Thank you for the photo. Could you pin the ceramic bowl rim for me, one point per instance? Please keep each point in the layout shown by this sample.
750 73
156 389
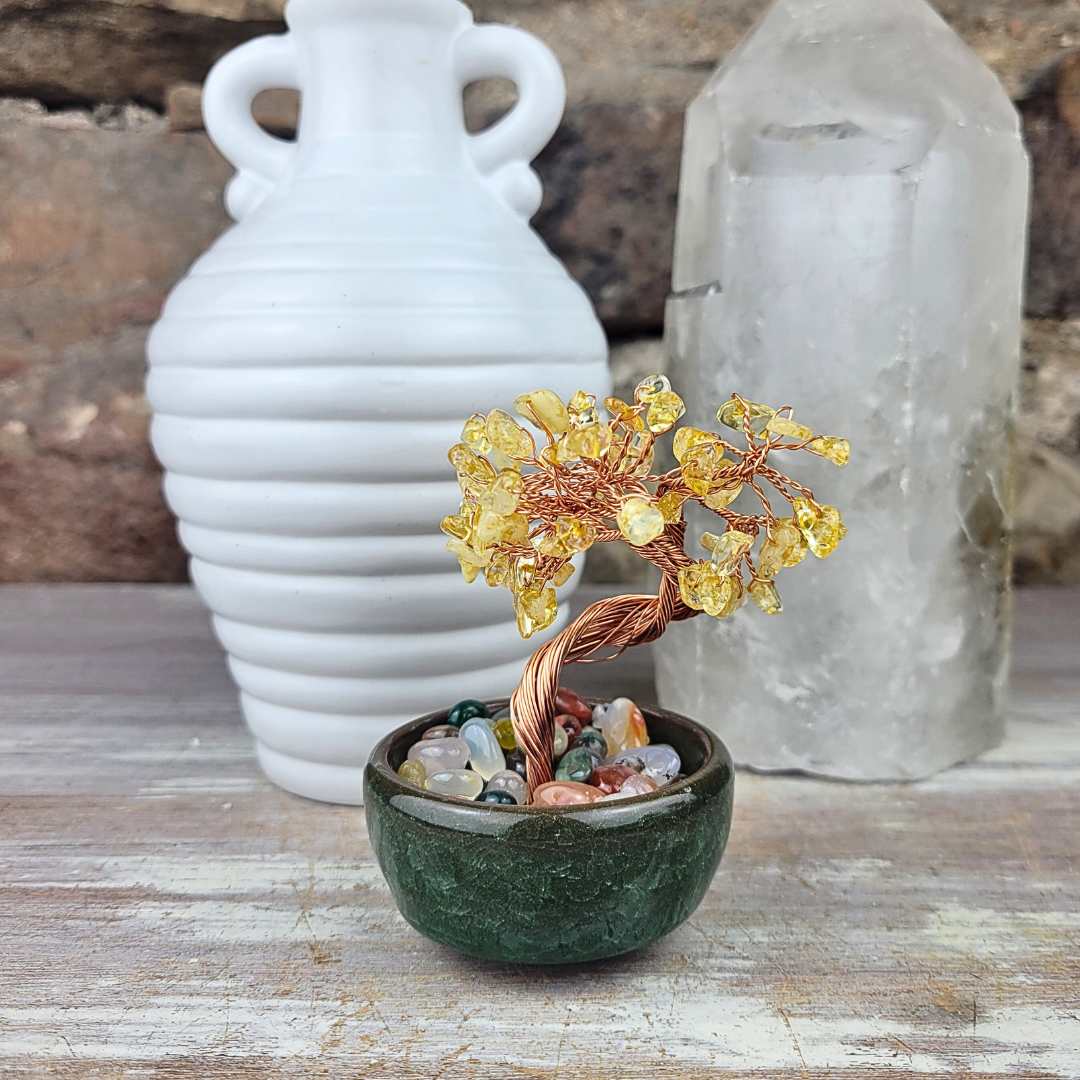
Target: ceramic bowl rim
717 756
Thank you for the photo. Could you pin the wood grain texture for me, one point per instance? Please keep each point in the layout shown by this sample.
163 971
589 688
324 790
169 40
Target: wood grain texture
165 912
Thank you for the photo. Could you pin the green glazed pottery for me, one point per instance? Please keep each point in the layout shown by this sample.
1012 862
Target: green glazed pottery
554 885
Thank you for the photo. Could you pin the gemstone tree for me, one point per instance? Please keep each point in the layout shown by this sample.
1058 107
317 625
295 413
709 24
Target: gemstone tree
527 511
851 233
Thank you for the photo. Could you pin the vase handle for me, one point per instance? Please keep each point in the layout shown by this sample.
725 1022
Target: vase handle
502 153
261 159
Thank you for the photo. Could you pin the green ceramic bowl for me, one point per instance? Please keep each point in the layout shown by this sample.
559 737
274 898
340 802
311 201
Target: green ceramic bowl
556 885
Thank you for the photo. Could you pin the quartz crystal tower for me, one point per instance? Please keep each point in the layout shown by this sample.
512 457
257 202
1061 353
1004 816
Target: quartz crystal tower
851 237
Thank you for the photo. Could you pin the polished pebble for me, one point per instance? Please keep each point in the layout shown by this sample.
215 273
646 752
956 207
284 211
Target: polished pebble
590 737
515 761
499 798
500 714
566 701
413 771
564 793
576 765
658 761
466 710
438 755
512 783
464 783
623 726
487 755
504 732
634 785
560 741
609 778
571 724
440 731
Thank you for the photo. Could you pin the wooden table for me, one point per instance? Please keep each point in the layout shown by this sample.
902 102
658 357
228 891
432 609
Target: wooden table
164 911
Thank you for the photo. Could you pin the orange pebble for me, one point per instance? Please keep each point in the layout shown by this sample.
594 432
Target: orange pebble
565 793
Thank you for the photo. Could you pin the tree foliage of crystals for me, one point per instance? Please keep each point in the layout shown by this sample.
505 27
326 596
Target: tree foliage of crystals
526 512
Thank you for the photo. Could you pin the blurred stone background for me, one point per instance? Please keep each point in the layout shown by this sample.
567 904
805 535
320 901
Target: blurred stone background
111 189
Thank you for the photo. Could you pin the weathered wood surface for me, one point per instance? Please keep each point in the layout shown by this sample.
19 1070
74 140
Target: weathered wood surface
166 912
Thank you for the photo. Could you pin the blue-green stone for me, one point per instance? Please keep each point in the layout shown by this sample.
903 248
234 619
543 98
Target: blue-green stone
466 710
592 737
503 798
576 765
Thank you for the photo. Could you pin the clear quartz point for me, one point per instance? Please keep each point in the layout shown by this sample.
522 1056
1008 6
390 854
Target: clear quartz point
850 240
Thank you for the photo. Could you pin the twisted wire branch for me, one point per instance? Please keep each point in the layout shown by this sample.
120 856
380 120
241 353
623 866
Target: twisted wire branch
617 622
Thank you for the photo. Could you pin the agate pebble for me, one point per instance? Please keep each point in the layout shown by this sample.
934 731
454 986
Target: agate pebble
438 755
463 783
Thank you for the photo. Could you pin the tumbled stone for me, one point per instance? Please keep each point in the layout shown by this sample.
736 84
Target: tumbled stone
463 783
560 741
512 783
609 778
498 798
487 756
440 731
591 739
438 755
515 762
634 785
660 762
571 724
565 793
623 726
504 733
567 702
576 765
413 771
466 710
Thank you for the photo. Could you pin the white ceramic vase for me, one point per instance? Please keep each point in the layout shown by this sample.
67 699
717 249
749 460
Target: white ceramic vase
311 371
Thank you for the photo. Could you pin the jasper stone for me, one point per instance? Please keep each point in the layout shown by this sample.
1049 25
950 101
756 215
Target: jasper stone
466 710
525 884
609 778
566 701
570 724
564 793
576 765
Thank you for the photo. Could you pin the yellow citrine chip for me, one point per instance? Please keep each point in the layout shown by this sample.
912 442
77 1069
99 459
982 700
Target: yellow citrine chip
470 465
783 425
455 525
715 590
639 521
618 408
507 435
544 409
536 609
687 437
563 574
591 441
727 548
503 494
764 594
671 506
467 554
494 528
498 569
721 497
731 414
689 586
664 410
474 434
575 534
821 525
838 451
650 388
551 546
791 542
469 571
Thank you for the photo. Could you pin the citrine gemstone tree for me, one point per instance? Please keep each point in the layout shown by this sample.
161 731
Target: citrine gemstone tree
531 503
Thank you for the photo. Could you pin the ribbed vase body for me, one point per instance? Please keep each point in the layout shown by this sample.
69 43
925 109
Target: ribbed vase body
313 368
